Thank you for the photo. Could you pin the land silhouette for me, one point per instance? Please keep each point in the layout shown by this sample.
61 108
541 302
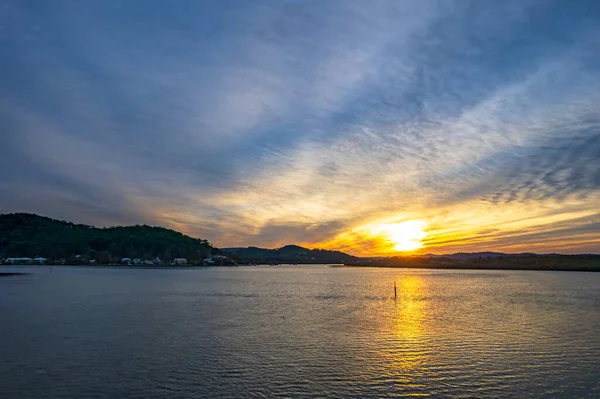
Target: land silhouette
35 238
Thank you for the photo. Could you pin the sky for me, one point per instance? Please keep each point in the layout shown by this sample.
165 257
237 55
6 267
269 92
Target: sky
467 125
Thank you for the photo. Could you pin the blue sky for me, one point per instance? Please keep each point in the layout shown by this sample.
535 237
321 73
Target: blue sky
273 122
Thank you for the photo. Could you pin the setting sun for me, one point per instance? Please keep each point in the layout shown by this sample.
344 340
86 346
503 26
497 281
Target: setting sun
406 236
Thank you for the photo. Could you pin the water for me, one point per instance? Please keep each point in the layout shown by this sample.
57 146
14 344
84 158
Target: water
298 332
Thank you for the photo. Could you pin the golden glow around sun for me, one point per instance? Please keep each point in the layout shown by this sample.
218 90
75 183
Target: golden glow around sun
406 236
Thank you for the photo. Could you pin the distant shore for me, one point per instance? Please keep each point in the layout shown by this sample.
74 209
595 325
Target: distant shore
472 267
140 267
565 263
104 266
571 265
10 274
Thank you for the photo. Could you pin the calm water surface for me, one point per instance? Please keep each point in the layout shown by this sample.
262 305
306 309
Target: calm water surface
298 332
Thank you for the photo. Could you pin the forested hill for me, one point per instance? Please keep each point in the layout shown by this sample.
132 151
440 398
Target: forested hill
290 254
29 235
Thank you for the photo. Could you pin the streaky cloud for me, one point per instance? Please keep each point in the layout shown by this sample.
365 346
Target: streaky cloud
266 123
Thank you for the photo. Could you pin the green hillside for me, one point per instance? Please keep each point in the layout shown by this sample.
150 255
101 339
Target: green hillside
29 235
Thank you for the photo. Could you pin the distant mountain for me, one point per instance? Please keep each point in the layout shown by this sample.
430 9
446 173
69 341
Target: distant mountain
289 254
490 260
29 235
479 255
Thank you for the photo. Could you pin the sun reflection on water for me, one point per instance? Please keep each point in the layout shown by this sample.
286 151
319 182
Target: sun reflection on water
409 316
409 327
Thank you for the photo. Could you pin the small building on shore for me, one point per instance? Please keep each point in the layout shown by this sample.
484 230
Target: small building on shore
19 261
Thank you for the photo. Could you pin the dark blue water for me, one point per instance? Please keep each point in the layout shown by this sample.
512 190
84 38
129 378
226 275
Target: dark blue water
298 332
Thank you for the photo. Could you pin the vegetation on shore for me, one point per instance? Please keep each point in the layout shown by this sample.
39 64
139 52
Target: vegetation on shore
23 234
290 254
586 262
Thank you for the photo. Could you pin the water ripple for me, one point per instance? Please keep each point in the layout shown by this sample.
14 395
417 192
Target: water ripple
299 332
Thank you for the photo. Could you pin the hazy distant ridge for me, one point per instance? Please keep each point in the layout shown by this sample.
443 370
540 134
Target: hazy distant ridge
485 254
290 254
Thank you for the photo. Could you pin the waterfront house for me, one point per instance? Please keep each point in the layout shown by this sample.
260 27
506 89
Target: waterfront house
21 261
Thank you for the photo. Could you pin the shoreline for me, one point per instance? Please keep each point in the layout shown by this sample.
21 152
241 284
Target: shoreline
477 267
116 266
162 267
195 267
12 274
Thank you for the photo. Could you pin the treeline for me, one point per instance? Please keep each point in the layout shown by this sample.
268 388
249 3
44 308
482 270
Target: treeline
556 262
289 254
23 234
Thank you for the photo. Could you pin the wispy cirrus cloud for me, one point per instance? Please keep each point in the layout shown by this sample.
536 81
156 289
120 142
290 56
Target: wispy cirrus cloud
266 123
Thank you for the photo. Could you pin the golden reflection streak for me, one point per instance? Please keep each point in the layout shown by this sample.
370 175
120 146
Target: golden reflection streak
409 308
409 326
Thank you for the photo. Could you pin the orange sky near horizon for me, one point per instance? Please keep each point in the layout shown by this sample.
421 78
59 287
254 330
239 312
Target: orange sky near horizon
473 226
373 127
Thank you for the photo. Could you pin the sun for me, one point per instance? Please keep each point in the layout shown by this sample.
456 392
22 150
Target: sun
406 236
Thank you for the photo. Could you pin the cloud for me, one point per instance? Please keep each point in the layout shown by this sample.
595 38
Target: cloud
262 122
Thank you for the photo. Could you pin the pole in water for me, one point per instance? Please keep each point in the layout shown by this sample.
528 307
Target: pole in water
395 294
